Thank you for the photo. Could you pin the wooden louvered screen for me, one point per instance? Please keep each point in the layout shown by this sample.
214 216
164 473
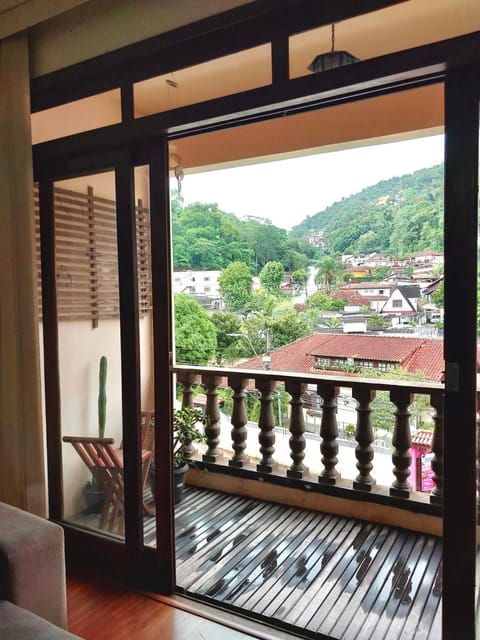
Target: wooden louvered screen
86 255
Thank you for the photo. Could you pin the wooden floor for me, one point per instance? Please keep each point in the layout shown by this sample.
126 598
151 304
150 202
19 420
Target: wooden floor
101 610
323 575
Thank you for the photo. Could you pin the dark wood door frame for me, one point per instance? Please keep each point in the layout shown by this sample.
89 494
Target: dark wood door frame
391 73
462 94
130 560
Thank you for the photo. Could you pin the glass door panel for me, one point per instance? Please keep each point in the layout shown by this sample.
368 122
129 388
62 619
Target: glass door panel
88 314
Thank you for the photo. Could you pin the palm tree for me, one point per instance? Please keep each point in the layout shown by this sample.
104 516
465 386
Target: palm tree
327 274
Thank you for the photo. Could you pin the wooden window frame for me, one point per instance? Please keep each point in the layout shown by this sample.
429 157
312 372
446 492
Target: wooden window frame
455 62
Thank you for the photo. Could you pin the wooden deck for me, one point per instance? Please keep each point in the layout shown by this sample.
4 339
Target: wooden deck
316 574
309 573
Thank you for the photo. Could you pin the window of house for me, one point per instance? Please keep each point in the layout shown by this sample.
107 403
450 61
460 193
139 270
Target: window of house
397 304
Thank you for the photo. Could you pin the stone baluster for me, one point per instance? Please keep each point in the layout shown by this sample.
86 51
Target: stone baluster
187 380
401 441
364 438
329 433
297 429
266 424
212 428
239 420
436 400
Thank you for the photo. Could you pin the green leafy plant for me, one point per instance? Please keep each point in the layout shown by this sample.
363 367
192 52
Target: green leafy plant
185 432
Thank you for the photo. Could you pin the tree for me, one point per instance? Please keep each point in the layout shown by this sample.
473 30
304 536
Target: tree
319 300
225 325
380 272
287 328
438 296
327 274
267 241
300 277
271 276
235 284
195 334
376 320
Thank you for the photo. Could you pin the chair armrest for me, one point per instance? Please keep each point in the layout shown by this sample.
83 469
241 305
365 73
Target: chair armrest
32 564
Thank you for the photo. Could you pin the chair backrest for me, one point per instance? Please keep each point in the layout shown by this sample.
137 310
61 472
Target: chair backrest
102 460
148 431
96 453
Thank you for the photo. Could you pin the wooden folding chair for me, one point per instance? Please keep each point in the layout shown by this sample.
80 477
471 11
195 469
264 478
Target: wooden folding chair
106 465
148 444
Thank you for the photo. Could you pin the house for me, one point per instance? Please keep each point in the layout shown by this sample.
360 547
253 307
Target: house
373 295
354 323
202 285
330 353
427 258
402 303
93 84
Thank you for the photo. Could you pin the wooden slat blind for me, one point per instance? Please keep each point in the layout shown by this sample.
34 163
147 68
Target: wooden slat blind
86 255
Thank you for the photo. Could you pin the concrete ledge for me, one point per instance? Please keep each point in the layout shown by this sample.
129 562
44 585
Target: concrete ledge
363 510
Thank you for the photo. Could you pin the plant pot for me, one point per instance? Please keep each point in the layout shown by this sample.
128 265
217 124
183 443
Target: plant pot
178 481
94 498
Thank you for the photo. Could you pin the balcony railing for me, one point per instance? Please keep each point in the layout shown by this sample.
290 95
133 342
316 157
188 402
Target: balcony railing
329 479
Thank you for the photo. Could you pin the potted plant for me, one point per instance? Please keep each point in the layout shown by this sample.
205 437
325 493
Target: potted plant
185 432
93 490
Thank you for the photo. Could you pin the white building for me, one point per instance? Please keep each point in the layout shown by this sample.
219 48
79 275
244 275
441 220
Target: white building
203 285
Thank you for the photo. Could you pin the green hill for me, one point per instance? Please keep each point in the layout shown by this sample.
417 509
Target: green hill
397 217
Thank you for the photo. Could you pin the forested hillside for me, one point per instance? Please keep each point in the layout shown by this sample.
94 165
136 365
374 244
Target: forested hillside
204 237
397 217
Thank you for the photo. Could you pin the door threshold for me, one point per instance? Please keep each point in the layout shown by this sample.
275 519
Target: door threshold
220 615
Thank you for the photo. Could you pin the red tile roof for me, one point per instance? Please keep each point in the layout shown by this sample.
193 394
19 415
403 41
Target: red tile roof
422 439
379 348
366 285
415 355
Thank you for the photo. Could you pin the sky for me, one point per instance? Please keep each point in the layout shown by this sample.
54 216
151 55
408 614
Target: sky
287 191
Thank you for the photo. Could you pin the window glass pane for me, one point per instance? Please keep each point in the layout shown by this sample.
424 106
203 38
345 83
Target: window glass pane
224 76
75 117
89 352
386 31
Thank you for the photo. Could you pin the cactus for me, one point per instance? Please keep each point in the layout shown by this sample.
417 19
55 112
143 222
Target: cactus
102 397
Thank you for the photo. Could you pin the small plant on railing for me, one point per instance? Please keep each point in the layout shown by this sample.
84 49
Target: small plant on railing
349 430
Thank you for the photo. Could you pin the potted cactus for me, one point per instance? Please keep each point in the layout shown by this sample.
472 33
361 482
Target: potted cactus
93 490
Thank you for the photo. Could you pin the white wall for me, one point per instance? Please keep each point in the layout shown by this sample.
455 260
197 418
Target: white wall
80 349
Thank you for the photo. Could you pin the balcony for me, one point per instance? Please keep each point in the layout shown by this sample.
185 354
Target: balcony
320 550
334 542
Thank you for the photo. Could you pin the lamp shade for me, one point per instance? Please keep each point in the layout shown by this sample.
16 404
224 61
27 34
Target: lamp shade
331 60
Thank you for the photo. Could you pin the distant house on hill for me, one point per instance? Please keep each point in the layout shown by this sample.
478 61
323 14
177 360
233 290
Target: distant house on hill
328 353
427 257
402 302
370 294
202 285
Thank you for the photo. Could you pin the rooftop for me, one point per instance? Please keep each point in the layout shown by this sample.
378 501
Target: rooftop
415 355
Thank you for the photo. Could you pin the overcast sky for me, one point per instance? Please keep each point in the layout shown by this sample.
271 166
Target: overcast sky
286 191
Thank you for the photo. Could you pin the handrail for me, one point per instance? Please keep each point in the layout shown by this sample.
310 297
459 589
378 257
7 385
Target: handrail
363 391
